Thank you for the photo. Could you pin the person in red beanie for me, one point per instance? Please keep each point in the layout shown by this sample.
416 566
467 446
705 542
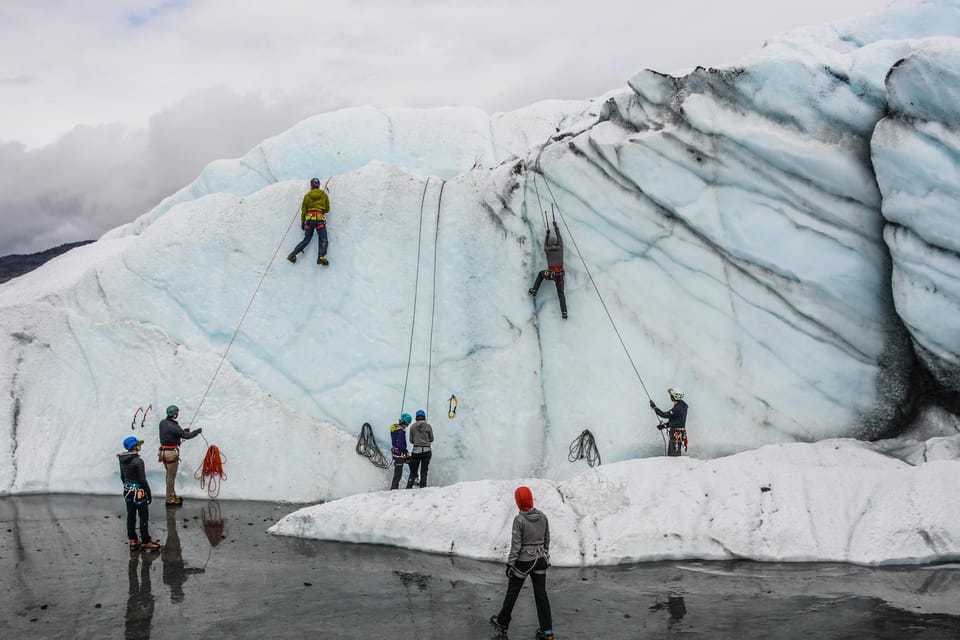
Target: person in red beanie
529 556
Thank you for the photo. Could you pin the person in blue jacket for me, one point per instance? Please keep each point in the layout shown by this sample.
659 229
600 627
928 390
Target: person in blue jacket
398 448
136 494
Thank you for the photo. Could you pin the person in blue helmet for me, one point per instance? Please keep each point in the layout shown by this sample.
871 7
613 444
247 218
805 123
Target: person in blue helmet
313 217
136 494
421 439
398 448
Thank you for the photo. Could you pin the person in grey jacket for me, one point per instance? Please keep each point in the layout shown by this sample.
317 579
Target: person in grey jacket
529 555
553 247
421 439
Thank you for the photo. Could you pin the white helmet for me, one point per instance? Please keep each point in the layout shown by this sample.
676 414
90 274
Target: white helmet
675 393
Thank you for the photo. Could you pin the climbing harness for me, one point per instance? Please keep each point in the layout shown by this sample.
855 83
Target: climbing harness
133 423
452 407
367 447
133 493
210 472
584 447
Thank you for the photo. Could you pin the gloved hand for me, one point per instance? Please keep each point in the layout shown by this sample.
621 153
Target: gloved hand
653 405
200 430
661 426
509 571
149 499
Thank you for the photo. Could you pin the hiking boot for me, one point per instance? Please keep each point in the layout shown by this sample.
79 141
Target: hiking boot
175 502
323 260
134 545
532 292
150 545
292 257
495 623
544 634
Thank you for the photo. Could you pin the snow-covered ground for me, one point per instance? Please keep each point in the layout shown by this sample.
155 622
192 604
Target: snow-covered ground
836 500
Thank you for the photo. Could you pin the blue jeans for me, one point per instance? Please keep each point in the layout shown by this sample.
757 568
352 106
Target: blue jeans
308 230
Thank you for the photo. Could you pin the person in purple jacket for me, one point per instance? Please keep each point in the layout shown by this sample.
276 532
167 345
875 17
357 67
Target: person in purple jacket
398 448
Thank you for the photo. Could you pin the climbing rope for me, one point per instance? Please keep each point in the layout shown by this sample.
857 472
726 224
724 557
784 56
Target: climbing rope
433 307
210 472
416 287
584 447
367 447
214 526
587 270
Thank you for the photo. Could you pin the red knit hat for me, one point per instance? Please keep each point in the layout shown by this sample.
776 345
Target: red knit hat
524 498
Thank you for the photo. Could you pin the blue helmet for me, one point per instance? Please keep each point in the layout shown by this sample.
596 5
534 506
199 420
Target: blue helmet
130 442
172 410
421 414
406 419
314 183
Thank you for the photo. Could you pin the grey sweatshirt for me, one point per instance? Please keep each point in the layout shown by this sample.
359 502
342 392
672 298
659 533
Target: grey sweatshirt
421 434
531 530
553 247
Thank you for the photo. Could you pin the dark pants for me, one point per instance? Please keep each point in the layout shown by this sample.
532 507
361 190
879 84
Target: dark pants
557 277
675 442
539 579
420 462
398 463
133 510
321 230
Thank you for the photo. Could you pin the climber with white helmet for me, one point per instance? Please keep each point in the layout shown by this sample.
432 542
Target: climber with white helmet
676 421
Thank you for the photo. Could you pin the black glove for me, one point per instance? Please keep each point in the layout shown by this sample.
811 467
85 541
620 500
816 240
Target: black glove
653 405
661 426
509 571
200 430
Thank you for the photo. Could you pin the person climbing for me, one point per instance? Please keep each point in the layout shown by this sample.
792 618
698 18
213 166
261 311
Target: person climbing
313 217
170 437
529 555
398 448
676 421
136 494
553 247
421 438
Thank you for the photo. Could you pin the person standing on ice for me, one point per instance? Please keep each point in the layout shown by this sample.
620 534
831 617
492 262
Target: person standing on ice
421 438
676 421
553 247
136 494
170 437
398 449
529 556
313 217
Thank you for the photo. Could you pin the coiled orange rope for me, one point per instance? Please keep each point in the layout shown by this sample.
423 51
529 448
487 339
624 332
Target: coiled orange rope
211 471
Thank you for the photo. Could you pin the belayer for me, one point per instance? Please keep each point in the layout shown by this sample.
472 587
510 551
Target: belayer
136 494
398 449
529 556
553 247
421 439
313 217
676 421
171 434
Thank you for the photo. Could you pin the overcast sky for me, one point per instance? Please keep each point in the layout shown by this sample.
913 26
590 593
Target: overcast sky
107 106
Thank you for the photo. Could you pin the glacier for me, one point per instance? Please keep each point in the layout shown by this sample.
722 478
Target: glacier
775 237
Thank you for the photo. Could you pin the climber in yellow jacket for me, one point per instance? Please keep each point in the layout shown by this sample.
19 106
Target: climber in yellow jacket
313 217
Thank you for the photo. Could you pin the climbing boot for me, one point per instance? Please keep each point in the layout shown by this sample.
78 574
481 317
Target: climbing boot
323 260
495 623
544 634
134 545
292 257
150 545
532 292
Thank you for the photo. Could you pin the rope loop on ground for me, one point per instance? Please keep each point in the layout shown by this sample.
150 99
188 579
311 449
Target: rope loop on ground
367 447
584 447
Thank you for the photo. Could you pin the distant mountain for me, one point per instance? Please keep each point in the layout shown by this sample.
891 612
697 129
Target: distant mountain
16 265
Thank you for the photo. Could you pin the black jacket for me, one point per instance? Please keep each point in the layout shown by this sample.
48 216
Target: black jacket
676 417
133 470
171 434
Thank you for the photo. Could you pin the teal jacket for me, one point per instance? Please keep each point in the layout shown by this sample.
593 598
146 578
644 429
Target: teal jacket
315 206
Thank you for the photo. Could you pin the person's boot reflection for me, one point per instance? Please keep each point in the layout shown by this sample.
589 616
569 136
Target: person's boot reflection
175 571
677 608
139 615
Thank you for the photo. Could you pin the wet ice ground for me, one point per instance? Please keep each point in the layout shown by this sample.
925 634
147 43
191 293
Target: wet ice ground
65 572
